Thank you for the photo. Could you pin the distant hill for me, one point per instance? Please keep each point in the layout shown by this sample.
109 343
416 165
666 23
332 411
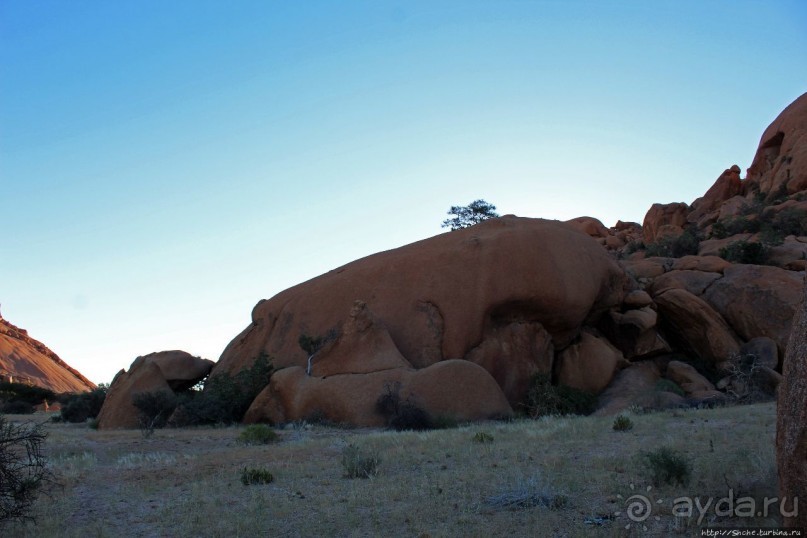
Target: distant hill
26 360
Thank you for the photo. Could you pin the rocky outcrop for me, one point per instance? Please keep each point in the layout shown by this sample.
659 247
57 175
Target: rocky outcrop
162 371
505 294
757 301
727 186
453 389
780 163
664 220
696 326
791 425
589 364
26 360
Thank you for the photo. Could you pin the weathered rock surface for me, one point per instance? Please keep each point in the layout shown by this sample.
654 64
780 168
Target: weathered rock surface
780 163
363 347
118 411
162 371
455 389
791 424
445 296
588 364
636 386
696 326
27 360
695 282
688 378
513 354
757 300
180 369
664 219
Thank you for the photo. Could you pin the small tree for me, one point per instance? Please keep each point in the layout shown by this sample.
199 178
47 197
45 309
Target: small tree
23 468
473 213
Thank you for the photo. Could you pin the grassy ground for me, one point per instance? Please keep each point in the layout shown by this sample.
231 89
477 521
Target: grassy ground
186 482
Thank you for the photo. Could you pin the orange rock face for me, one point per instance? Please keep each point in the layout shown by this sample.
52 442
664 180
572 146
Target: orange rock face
589 364
454 389
780 163
445 296
161 371
664 219
791 425
757 301
696 326
27 360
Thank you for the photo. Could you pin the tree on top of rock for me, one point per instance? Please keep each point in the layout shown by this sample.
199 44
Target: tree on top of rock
473 213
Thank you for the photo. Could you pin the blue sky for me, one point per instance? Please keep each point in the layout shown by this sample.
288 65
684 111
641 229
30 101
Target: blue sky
165 165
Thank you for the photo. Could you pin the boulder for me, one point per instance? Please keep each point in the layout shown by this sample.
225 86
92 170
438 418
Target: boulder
162 371
636 386
757 301
793 249
688 378
764 349
513 354
363 347
709 264
589 226
780 163
453 389
442 297
695 282
712 247
727 186
664 219
118 411
791 422
589 364
647 267
180 369
634 333
693 324
637 299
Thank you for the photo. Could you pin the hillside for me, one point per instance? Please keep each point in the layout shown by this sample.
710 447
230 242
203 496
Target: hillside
26 360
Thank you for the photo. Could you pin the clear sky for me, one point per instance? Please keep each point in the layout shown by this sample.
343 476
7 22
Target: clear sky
165 165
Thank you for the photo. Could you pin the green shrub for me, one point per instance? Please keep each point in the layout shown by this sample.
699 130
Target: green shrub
622 424
81 406
358 464
667 466
250 476
257 434
30 394
400 414
17 407
665 385
745 252
790 221
544 398
483 437
154 409
675 247
224 398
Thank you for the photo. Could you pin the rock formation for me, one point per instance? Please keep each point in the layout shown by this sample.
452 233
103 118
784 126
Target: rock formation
505 294
791 425
26 360
486 308
167 371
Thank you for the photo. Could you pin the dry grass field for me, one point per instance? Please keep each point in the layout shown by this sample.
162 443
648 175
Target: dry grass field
571 475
